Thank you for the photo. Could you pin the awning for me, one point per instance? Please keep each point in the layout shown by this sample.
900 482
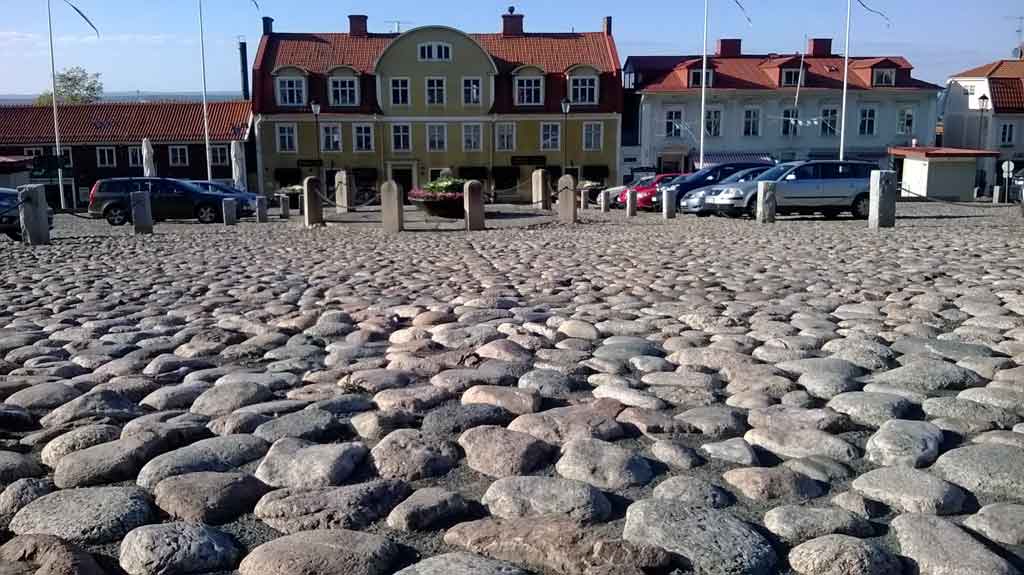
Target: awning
715 158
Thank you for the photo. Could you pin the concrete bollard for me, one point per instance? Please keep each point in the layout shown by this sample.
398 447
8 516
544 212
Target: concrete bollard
584 199
567 199
391 209
473 202
541 197
668 204
979 192
998 197
312 202
767 203
630 203
604 200
261 210
344 192
34 215
229 210
286 206
142 213
882 205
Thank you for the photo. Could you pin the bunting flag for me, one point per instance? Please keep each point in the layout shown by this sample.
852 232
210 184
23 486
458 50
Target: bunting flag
888 22
744 10
84 17
257 5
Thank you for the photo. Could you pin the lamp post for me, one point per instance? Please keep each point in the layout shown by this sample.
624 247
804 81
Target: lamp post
315 107
566 108
982 106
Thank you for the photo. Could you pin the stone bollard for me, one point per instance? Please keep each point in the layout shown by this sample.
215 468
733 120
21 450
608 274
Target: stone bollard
604 200
261 210
668 204
473 202
979 192
344 192
630 203
312 202
229 209
286 206
34 215
766 203
391 209
997 195
882 204
541 197
584 199
142 213
567 199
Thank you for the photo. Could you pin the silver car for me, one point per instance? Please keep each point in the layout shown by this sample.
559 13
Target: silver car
818 186
695 201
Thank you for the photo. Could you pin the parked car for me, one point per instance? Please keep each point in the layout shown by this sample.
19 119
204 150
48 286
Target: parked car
818 186
170 200
701 178
695 201
646 189
246 200
10 216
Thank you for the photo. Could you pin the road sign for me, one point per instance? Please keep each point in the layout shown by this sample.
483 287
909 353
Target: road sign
1008 167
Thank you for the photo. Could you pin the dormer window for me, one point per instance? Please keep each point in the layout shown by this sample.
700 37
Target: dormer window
344 91
792 77
435 52
529 91
291 91
695 78
884 77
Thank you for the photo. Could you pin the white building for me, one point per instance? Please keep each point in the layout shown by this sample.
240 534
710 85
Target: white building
985 110
778 106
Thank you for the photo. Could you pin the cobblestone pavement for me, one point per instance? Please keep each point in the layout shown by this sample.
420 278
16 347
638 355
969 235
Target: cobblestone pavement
612 398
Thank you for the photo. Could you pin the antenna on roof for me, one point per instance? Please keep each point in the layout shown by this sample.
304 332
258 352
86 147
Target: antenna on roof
800 80
398 24
1018 52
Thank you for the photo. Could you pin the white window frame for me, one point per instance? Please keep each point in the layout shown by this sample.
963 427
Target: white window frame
756 132
479 94
300 85
520 79
885 77
437 52
558 128
214 160
295 138
103 150
587 145
408 127
427 89
901 121
430 138
873 121
793 127
673 131
323 137
479 140
135 157
336 102
497 136
408 92
35 152
596 89
355 138
1008 134
721 121
833 128
170 156
695 75
786 82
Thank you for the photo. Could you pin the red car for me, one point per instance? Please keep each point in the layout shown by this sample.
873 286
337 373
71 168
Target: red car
646 188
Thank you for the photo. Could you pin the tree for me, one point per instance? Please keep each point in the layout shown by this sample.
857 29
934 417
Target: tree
74 86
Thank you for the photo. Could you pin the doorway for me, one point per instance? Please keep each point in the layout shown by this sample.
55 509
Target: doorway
405 176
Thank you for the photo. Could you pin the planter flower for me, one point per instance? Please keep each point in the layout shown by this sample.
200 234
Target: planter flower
441 198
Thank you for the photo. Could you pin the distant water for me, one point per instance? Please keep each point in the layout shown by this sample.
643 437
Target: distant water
137 97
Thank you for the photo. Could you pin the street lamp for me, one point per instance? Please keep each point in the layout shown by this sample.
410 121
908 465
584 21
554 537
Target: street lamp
982 106
566 108
315 107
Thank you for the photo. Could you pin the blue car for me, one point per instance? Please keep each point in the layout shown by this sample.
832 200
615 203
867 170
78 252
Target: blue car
703 178
10 216
246 200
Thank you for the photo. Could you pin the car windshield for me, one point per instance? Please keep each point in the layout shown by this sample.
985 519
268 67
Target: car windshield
775 173
644 182
742 176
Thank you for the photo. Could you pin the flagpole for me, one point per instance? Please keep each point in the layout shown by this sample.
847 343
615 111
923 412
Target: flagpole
846 82
206 112
56 122
702 122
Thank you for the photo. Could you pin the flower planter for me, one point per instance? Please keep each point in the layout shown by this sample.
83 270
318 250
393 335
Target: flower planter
447 208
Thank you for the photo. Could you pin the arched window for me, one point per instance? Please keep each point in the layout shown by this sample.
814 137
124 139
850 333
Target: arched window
584 86
290 87
529 87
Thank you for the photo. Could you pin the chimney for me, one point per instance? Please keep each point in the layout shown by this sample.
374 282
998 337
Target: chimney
607 25
730 47
268 25
511 23
357 25
819 47
243 57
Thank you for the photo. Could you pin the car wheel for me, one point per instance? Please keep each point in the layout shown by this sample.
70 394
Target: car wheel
751 210
116 215
15 236
860 207
206 214
703 214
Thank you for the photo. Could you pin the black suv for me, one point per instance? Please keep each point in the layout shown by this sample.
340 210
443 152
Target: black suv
170 200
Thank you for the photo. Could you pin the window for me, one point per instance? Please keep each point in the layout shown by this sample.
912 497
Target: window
713 123
529 91
867 121
505 137
65 152
34 152
330 137
437 137
472 92
179 155
593 136
399 91
583 90
106 158
884 77
362 137
674 124
829 122
806 172
435 52
220 156
135 157
695 78
1006 135
752 122
905 124
792 77
286 138
550 136
291 91
970 89
401 137
344 92
472 136
435 92
790 122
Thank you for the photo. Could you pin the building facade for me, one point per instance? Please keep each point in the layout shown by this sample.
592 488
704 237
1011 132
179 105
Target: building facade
775 106
407 106
985 110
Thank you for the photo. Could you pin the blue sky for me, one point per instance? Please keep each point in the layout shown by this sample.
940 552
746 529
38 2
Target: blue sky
153 45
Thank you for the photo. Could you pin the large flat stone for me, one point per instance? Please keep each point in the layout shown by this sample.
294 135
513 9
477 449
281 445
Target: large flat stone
321 552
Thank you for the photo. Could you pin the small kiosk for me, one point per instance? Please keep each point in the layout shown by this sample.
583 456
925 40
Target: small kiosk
939 173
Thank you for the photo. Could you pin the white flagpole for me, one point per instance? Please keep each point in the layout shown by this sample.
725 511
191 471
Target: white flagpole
846 81
206 112
56 123
702 122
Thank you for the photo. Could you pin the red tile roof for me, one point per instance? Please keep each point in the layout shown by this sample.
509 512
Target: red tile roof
122 123
1007 95
997 69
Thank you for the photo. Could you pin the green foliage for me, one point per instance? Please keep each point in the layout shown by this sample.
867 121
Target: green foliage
74 86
